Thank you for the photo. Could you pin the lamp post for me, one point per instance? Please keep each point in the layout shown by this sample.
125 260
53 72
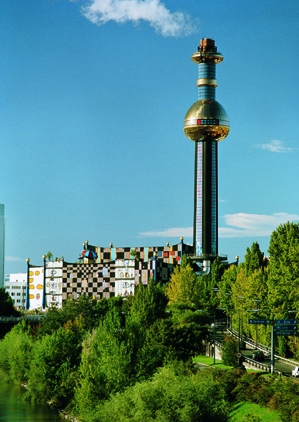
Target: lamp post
27 285
44 284
227 309
214 335
182 246
155 269
229 294
240 334
258 301
272 344
254 310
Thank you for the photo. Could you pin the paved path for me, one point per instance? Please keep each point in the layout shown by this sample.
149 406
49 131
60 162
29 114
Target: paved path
279 364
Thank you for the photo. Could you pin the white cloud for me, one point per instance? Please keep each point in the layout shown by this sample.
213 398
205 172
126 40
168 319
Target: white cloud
275 146
253 225
241 225
172 232
152 11
14 259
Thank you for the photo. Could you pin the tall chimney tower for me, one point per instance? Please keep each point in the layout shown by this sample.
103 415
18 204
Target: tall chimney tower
206 123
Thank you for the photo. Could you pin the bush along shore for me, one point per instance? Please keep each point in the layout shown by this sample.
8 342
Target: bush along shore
130 359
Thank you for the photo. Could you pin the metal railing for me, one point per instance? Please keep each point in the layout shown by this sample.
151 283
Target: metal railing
260 346
12 319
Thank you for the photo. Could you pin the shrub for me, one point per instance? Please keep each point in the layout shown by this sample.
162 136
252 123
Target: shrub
229 349
169 397
16 353
112 360
55 359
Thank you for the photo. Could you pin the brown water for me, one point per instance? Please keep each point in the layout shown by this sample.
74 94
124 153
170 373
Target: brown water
13 408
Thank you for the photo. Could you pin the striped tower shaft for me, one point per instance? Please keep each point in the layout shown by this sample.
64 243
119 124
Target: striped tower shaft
205 228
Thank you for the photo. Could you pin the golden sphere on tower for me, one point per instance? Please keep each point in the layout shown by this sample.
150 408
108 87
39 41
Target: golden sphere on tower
206 119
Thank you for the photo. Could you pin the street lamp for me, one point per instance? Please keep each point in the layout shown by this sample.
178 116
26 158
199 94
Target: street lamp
271 322
257 310
227 309
240 335
231 310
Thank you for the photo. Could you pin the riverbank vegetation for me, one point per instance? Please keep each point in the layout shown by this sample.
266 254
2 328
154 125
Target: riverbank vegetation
130 359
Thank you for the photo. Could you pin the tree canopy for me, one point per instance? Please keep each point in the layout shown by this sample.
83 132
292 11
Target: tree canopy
6 304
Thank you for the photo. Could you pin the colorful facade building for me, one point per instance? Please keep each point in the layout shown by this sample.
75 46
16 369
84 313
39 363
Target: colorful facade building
101 273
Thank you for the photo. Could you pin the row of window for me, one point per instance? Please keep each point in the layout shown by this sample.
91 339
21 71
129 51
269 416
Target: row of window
207 121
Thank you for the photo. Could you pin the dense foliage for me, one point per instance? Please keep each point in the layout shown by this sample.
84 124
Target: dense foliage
174 394
81 355
6 304
130 359
267 286
229 349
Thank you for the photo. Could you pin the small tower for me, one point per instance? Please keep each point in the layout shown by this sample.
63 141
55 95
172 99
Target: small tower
206 123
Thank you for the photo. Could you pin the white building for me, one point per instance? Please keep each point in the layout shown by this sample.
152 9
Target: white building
54 283
2 244
45 290
15 285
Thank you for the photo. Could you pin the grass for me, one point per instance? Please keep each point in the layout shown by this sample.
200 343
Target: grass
240 410
207 360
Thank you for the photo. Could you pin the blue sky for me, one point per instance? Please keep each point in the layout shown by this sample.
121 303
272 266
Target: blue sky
93 98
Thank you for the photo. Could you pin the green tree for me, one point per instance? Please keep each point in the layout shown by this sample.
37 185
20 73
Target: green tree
89 311
6 304
206 297
182 287
226 283
53 374
15 352
173 395
283 292
229 349
177 338
284 269
217 271
148 304
254 258
112 360
50 256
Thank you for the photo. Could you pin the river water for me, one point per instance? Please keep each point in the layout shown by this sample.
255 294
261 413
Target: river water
13 408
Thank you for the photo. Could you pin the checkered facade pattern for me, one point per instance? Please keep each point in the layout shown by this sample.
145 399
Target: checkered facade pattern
116 271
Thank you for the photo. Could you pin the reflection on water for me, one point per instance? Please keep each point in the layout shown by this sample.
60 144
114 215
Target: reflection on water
14 409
